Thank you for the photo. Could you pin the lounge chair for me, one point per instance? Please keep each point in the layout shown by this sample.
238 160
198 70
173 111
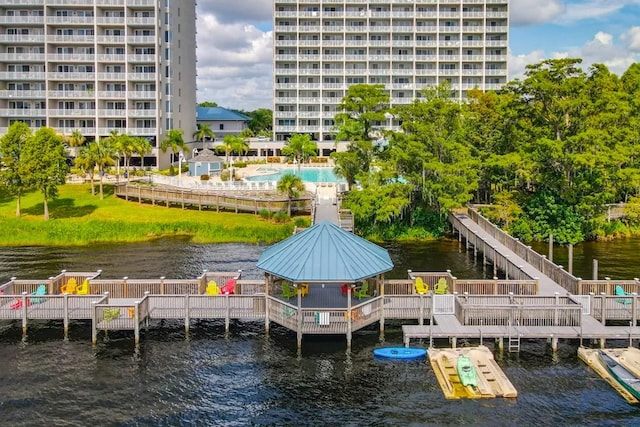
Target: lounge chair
362 291
83 289
421 287
212 288
288 291
441 287
40 290
69 287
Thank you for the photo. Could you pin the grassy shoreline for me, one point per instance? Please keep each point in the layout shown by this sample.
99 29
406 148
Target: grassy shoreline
78 219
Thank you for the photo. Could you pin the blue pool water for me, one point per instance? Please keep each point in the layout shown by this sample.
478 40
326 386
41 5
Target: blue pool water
307 174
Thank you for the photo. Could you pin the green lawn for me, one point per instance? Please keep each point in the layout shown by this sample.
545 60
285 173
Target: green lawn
78 218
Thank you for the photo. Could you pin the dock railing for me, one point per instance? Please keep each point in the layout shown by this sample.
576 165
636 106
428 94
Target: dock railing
501 310
539 262
615 308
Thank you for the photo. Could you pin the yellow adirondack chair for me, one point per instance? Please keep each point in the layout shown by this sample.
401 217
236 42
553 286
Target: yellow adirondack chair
83 289
69 287
421 287
212 288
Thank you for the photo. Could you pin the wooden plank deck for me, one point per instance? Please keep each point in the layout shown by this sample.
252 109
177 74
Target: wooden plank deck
546 285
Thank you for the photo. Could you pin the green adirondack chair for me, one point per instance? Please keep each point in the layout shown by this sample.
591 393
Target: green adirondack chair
288 291
362 291
441 287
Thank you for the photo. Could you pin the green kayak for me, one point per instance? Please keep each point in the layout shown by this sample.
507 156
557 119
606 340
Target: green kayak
467 371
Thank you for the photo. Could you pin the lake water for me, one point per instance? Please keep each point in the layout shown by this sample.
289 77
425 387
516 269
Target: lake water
308 174
246 378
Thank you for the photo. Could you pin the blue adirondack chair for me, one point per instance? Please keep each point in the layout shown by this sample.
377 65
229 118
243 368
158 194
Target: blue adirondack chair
40 290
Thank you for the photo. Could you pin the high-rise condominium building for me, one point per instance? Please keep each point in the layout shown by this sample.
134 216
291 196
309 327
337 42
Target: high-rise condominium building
98 66
323 47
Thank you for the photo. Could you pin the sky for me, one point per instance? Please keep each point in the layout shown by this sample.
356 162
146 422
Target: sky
235 42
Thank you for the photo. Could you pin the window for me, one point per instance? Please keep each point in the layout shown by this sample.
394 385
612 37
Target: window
221 126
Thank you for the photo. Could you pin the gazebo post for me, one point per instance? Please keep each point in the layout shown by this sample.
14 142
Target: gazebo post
299 317
380 280
267 279
349 317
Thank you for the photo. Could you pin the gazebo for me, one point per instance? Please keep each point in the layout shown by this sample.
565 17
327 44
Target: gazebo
327 264
205 163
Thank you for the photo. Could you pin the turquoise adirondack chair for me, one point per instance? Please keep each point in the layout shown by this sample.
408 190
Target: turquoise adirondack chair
40 290
362 291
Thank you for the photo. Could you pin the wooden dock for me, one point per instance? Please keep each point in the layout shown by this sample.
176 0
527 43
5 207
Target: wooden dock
492 382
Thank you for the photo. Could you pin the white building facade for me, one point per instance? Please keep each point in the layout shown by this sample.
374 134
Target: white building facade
323 47
100 65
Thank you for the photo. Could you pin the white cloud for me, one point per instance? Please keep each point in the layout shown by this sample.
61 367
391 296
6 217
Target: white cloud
602 49
234 57
529 12
632 39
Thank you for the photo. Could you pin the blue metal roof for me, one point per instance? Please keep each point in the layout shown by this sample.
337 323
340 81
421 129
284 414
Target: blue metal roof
219 113
325 253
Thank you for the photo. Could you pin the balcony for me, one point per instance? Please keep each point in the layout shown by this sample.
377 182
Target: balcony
71 57
141 94
22 39
112 76
71 76
112 57
112 94
51 112
20 75
109 2
142 58
143 113
149 21
70 20
22 112
141 40
22 57
110 20
74 38
111 112
142 131
111 39
22 20
147 3
22 94
23 2
142 77
69 3
75 94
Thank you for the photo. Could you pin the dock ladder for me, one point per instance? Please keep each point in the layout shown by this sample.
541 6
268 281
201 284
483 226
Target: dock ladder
514 339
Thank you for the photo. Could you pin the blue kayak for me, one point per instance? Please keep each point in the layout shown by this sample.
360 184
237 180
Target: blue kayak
400 352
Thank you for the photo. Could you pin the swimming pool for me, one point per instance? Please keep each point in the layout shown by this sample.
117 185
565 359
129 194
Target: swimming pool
307 174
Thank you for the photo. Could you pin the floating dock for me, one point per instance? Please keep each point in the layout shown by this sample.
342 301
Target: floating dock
492 382
627 357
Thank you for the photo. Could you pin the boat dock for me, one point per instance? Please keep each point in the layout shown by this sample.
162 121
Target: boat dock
628 357
492 382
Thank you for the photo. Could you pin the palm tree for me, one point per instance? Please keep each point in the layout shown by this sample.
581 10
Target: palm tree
86 161
104 154
75 140
174 141
299 147
292 185
203 132
141 147
233 143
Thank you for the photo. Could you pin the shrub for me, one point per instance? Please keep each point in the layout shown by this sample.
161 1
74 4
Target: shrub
273 159
204 177
172 171
225 175
265 213
240 165
280 217
302 222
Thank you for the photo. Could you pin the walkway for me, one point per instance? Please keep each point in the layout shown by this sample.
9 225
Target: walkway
546 285
326 205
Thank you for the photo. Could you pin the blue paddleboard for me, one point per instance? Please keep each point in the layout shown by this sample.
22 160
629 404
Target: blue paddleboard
400 352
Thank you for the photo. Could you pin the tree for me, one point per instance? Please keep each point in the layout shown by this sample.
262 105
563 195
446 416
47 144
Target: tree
203 132
103 154
231 144
12 173
362 108
291 185
261 121
75 140
173 141
45 161
141 147
86 160
209 104
299 147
